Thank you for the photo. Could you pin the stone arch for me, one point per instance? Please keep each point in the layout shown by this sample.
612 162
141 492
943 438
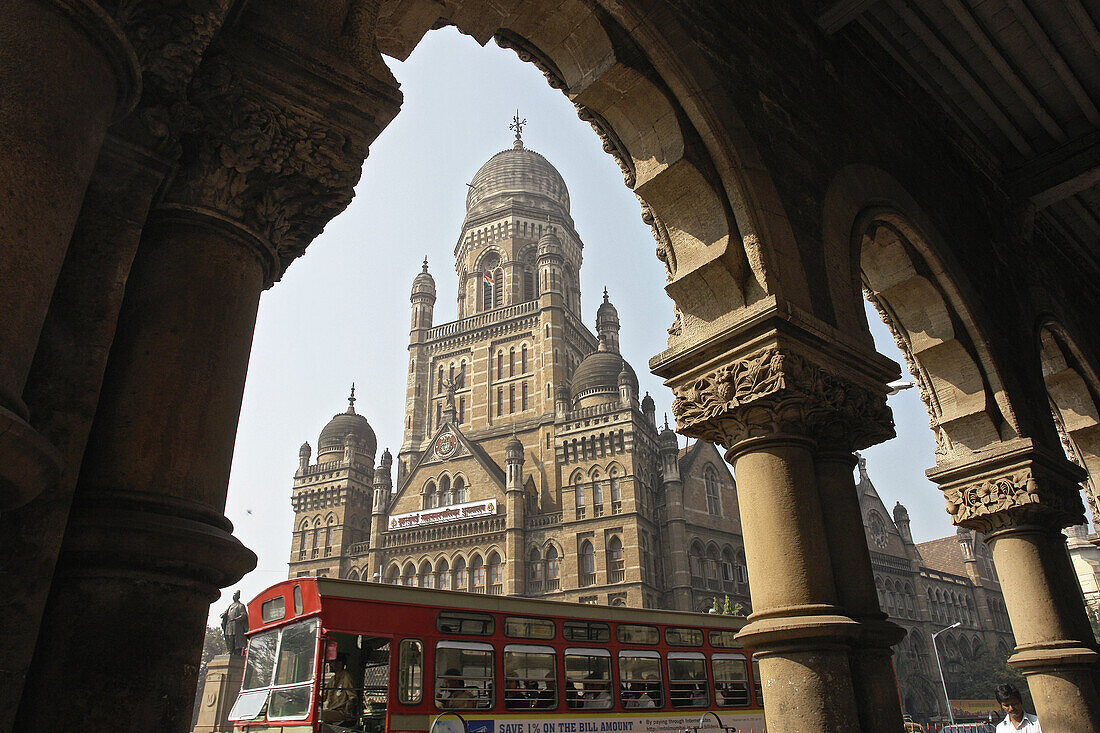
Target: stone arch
353 574
426 575
885 248
393 574
1074 393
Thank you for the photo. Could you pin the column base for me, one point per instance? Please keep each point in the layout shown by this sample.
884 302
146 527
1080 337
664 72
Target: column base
799 627
28 462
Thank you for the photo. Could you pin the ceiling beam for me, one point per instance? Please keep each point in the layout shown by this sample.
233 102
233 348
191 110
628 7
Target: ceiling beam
1063 172
841 13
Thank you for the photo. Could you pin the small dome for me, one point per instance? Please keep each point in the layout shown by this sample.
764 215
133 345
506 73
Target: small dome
344 425
901 514
305 450
624 375
647 404
599 373
667 437
606 313
549 246
513 446
424 283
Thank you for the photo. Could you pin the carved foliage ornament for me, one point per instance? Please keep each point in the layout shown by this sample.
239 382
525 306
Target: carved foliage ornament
1011 500
775 391
276 167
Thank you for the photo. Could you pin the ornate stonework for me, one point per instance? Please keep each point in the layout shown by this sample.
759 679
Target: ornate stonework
1012 499
775 391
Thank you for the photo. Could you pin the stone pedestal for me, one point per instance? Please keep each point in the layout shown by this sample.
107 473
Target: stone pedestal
219 692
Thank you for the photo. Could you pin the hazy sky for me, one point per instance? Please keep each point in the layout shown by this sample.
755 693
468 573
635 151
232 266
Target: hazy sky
341 313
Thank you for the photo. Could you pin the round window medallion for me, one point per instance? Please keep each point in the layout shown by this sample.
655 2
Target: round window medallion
446 446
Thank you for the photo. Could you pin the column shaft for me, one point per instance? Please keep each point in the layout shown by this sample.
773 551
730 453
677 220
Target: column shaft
65 70
1055 647
876 686
795 629
147 546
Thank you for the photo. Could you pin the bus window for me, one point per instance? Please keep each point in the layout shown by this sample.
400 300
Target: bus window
585 631
634 634
587 679
724 639
530 681
521 627
731 679
457 622
463 675
273 610
296 655
261 660
297 600
687 679
679 636
411 672
640 679
757 687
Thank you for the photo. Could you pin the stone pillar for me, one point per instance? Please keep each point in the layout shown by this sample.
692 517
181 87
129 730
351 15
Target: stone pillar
65 73
1019 498
272 159
515 501
223 682
873 674
771 392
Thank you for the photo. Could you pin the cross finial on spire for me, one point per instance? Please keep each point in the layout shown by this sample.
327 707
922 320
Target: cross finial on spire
517 126
351 399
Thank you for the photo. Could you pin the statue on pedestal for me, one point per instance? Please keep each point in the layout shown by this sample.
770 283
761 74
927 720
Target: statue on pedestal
234 626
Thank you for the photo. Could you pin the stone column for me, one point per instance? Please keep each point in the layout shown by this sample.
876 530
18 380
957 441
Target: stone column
768 392
147 546
873 674
63 386
66 72
1020 498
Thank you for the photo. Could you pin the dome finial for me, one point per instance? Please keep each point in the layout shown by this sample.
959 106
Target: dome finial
605 293
425 264
351 400
666 419
517 125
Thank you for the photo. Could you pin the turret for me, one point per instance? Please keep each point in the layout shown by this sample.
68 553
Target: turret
304 454
549 259
513 463
649 410
561 401
423 303
349 448
607 324
514 506
383 484
626 390
669 447
901 520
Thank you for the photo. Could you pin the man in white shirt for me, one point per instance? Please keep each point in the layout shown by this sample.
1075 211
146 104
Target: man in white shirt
1016 720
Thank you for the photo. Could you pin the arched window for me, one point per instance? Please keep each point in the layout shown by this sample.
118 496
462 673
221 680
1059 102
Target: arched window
616 491
439 381
597 495
587 563
712 562
529 284
461 576
500 364
534 570
511 398
330 531
695 563
714 500
393 575
477 574
316 537
461 376
496 575
408 575
498 288
303 539
431 499
451 374
443 575
523 358
512 362
445 490
553 568
459 491
500 401
427 577
740 568
523 403
579 497
616 565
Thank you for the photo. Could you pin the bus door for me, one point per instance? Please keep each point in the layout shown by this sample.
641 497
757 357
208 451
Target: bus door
354 690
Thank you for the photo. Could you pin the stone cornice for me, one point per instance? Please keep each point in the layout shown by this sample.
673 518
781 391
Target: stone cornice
1019 485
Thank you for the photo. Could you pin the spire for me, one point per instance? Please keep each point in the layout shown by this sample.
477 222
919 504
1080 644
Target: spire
666 421
425 268
351 400
517 126
605 293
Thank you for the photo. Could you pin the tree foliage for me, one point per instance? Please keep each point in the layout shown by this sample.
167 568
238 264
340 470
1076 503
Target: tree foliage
976 677
213 644
727 608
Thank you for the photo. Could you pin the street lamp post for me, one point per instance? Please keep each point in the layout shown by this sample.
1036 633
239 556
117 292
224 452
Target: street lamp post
935 649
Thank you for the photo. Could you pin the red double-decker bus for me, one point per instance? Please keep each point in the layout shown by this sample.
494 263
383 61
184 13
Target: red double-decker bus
343 656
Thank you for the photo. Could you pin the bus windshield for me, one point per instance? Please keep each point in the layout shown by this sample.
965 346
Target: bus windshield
278 673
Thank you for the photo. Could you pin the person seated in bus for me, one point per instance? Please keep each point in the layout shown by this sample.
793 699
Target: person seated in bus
641 694
699 697
732 693
596 695
341 694
453 694
516 694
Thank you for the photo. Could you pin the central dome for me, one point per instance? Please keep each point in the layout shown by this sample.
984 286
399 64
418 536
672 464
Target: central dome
598 374
520 175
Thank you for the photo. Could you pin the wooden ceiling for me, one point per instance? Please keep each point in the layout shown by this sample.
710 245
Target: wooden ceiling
1022 77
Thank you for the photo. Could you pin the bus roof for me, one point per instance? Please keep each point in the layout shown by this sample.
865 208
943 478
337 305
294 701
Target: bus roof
382 592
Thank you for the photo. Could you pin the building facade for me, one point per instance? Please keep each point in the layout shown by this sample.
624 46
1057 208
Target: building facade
529 464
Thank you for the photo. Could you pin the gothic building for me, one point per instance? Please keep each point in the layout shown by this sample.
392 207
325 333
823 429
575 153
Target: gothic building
529 465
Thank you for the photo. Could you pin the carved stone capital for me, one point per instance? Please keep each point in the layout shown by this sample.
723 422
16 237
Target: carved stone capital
1022 485
781 380
276 157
